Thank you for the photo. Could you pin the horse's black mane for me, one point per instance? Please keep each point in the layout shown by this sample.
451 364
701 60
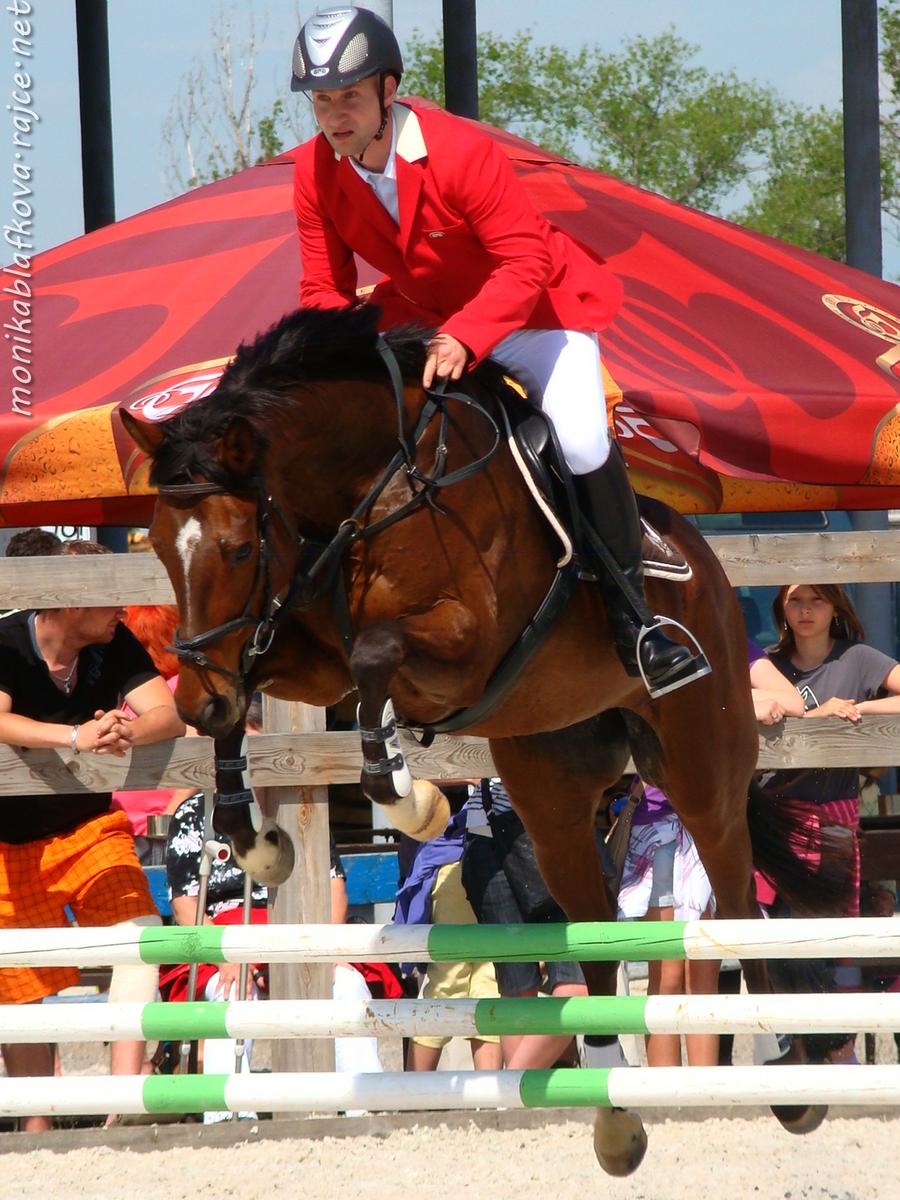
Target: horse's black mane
309 344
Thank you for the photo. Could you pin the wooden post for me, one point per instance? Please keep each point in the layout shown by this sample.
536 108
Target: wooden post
306 896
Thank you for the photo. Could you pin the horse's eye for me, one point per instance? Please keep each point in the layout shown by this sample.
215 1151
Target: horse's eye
242 553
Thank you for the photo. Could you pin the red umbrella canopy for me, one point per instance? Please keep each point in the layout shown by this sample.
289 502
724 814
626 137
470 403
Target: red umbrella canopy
744 373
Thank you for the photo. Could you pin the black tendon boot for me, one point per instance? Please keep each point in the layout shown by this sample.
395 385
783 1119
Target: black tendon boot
609 508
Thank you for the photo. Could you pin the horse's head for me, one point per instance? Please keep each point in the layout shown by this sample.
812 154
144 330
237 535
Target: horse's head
227 547
274 458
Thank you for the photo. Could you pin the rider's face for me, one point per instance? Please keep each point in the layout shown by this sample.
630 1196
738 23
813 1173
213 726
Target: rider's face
350 117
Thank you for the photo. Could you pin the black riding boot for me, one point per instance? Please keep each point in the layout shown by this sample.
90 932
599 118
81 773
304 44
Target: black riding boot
609 507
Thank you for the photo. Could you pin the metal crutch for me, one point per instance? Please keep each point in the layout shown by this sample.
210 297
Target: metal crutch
240 1042
211 851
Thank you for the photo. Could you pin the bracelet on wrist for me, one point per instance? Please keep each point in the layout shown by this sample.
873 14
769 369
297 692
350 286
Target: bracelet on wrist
73 739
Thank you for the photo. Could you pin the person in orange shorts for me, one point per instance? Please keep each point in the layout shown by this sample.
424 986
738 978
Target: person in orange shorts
64 674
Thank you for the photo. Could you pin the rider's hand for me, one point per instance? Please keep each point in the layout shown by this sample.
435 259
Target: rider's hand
445 358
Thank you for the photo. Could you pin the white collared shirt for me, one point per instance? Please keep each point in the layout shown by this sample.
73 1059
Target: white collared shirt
384 183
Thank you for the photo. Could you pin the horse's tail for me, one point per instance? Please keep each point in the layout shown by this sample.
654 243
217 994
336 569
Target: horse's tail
811 867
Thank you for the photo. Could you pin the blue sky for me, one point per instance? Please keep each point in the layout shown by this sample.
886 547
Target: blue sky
793 45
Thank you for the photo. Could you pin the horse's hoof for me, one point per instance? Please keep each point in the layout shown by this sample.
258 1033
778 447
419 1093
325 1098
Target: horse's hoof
800 1118
423 814
620 1140
269 858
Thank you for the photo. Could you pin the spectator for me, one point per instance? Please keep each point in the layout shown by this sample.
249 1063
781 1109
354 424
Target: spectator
821 650
154 627
494 902
431 892
63 675
33 543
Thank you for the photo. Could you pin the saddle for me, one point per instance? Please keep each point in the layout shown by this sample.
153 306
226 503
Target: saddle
535 448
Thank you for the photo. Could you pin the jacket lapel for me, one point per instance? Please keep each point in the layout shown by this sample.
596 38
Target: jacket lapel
411 153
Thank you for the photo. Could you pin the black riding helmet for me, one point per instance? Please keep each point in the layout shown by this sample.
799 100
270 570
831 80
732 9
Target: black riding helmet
339 46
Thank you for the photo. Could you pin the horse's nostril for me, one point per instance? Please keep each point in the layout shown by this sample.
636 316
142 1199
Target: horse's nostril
217 716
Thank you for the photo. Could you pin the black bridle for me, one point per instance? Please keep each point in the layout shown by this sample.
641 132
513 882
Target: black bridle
319 566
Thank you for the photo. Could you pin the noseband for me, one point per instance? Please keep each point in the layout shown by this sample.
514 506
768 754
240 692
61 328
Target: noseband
319 565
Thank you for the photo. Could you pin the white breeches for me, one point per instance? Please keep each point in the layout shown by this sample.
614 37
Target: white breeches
564 368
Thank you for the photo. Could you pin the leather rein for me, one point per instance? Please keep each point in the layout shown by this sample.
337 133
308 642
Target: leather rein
319 568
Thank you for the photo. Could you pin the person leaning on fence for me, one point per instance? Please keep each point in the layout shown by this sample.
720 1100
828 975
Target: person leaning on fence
64 673
822 652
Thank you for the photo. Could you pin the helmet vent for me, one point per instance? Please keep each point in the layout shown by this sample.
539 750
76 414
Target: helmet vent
355 54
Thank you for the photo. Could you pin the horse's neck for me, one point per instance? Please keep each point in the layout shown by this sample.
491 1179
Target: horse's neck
328 461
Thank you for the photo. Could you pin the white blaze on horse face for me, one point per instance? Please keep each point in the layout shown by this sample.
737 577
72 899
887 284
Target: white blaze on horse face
186 543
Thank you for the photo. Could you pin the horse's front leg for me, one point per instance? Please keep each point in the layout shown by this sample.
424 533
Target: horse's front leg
261 847
416 807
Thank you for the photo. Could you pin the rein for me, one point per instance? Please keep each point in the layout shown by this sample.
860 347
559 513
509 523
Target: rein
311 582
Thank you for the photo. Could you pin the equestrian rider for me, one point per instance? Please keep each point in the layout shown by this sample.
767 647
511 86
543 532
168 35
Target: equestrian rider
433 203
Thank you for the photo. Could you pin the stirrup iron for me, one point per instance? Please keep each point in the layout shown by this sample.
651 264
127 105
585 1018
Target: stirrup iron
698 667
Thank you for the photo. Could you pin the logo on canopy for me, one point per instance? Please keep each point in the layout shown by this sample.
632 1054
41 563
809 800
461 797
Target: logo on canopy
877 321
161 398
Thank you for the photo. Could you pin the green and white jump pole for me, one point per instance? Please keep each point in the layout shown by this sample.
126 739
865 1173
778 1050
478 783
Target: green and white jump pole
861 937
605 1015
414 1091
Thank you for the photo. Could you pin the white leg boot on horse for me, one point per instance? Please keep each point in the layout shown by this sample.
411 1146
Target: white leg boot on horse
260 846
415 807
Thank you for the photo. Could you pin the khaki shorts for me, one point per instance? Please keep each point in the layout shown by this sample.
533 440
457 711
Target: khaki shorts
93 869
455 980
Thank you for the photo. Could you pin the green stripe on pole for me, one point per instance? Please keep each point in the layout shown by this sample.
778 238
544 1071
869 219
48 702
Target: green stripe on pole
182 944
565 1088
164 1022
567 1016
185 1093
585 942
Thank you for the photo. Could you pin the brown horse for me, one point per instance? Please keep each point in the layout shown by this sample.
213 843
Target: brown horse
312 552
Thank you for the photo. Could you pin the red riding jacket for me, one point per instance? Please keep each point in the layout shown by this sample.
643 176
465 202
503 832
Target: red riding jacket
471 254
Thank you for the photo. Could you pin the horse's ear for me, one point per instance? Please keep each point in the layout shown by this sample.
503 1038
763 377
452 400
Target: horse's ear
237 449
147 436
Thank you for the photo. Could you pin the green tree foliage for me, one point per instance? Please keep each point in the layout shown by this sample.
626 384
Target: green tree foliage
650 115
644 114
800 196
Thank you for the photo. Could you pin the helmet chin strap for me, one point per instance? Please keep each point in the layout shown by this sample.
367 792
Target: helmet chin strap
384 120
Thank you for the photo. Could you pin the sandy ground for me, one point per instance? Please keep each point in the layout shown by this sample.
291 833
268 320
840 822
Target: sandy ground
500 1156
846 1159
693 1155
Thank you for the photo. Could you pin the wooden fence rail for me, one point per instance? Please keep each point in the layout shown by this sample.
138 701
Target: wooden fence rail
313 759
748 559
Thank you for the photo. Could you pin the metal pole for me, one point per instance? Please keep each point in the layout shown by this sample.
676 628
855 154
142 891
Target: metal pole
862 143
862 190
97 184
460 58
